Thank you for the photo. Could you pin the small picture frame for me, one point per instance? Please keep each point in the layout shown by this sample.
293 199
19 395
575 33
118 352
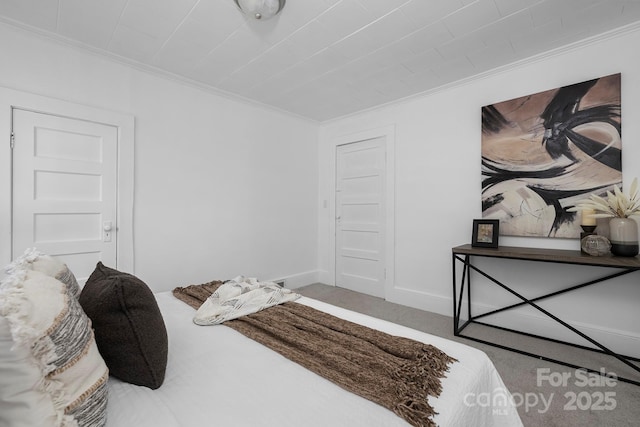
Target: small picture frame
485 233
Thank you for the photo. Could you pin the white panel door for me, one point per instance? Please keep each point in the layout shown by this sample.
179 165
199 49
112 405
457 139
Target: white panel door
65 189
360 221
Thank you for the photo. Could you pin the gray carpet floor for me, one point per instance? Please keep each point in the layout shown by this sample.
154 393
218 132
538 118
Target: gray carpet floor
579 400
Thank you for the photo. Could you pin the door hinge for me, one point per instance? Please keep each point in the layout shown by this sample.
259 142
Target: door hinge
12 142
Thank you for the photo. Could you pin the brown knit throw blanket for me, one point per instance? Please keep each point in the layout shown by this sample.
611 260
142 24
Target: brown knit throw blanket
395 372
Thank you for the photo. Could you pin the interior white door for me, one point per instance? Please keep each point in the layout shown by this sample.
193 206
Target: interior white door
64 189
360 216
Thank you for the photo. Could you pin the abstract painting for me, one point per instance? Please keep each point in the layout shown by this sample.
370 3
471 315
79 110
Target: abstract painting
542 153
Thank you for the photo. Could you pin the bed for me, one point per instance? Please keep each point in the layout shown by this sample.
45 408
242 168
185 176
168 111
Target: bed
242 383
217 376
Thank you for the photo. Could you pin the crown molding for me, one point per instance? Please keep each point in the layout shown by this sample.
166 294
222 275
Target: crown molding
149 69
598 38
82 47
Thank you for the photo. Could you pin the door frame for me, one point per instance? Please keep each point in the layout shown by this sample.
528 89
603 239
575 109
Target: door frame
125 174
388 134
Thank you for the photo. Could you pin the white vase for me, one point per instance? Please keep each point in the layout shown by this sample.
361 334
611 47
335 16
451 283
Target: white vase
623 234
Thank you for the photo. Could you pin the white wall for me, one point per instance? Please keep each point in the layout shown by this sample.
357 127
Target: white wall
222 187
438 183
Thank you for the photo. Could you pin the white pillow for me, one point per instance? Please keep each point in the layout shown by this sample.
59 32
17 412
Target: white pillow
51 373
32 259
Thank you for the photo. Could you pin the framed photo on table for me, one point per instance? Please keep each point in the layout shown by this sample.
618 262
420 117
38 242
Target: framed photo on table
485 233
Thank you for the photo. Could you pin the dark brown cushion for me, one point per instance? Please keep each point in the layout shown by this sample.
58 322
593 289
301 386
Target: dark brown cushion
129 329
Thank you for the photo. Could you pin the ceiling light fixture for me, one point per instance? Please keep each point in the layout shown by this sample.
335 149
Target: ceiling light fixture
260 9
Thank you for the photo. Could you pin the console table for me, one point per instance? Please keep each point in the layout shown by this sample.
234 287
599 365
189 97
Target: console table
464 255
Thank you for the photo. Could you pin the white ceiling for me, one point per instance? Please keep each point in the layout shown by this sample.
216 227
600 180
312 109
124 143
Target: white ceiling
322 59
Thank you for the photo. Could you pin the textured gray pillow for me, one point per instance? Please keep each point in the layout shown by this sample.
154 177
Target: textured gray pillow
129 329
32 259
51 373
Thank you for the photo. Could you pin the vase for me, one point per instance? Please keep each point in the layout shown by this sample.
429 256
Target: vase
623 236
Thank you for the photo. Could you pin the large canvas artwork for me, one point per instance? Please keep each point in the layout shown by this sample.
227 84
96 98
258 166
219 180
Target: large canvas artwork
542 153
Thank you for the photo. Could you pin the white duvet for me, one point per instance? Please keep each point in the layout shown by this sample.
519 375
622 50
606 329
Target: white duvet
216 376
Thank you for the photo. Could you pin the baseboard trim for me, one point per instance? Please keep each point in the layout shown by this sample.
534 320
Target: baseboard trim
618 340
298 280
421 300
325 277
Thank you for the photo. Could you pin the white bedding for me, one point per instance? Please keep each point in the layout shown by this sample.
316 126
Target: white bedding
243 383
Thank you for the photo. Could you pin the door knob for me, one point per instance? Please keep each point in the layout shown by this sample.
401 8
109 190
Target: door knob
107 226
